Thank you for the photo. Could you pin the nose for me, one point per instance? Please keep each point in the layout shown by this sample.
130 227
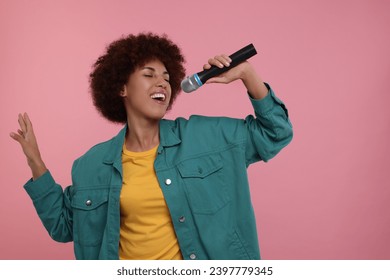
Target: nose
161 82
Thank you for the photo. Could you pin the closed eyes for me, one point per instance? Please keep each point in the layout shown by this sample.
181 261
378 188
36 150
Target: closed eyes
151 76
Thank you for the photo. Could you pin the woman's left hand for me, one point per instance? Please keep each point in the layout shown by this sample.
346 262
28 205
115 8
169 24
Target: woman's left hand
221 61
243 71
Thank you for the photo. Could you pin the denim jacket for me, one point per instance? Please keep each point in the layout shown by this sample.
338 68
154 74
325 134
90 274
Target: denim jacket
201 168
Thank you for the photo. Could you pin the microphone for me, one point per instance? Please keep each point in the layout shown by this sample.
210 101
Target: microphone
198 79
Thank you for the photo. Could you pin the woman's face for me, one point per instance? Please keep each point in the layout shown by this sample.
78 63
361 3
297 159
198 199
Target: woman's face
148 92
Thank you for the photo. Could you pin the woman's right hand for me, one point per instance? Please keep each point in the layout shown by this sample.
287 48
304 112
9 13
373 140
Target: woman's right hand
26 138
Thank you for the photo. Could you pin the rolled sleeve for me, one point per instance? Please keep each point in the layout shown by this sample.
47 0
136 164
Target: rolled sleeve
39 187
270 131
266 104
52 204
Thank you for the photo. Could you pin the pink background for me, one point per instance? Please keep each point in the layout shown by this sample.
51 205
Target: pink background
325 196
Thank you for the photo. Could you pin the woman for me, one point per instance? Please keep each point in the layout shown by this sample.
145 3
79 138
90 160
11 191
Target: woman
160 189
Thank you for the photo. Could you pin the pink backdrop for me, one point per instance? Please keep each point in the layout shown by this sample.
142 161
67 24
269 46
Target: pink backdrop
326 196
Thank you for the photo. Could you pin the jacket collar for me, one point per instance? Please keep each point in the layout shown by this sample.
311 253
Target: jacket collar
115 149
168 138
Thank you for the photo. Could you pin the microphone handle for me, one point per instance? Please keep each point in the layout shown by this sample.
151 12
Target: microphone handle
237 57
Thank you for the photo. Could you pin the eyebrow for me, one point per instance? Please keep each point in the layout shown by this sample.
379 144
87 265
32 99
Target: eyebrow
152 69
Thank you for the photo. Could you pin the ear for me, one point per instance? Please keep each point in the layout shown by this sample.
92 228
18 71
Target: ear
123 92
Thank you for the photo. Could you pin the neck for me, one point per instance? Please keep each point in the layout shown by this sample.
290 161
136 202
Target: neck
142 135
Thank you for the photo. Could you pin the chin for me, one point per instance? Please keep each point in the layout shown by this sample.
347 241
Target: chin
158 116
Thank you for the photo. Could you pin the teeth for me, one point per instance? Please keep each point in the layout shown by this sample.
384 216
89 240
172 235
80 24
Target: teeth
159 96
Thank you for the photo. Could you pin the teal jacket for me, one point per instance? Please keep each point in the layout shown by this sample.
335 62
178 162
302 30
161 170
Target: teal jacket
201 167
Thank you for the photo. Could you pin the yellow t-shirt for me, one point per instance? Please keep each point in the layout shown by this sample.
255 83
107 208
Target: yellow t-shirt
146 230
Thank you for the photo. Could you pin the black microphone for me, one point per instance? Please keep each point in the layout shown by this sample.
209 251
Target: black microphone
198 79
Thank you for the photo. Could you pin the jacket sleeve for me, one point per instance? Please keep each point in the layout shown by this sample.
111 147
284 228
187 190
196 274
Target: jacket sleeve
52 204
269 131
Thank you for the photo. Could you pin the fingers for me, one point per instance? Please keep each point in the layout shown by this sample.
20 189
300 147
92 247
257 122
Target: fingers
22 123
221 79
219 61
20 133
27 122
25 127
206 66
17 137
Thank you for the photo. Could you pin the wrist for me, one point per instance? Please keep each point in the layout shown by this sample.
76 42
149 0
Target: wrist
247 72
37 166
253 83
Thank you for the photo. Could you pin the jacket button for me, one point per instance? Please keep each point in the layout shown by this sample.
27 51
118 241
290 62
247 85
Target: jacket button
168 182
182 219
192 256
88 202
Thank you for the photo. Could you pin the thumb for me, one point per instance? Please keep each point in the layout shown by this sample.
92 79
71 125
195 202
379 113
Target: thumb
219 79
16 137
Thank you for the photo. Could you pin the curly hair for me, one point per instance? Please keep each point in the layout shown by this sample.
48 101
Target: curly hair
112 70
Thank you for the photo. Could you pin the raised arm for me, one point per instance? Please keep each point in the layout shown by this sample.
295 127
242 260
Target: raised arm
270 130
27 140
244 71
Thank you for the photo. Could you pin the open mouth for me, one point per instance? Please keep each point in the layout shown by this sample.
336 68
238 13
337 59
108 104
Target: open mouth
158 96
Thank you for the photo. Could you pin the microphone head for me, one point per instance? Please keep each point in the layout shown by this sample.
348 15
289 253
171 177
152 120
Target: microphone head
189 84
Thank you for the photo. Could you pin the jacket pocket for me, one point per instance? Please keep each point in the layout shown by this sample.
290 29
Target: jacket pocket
204 183
89 216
